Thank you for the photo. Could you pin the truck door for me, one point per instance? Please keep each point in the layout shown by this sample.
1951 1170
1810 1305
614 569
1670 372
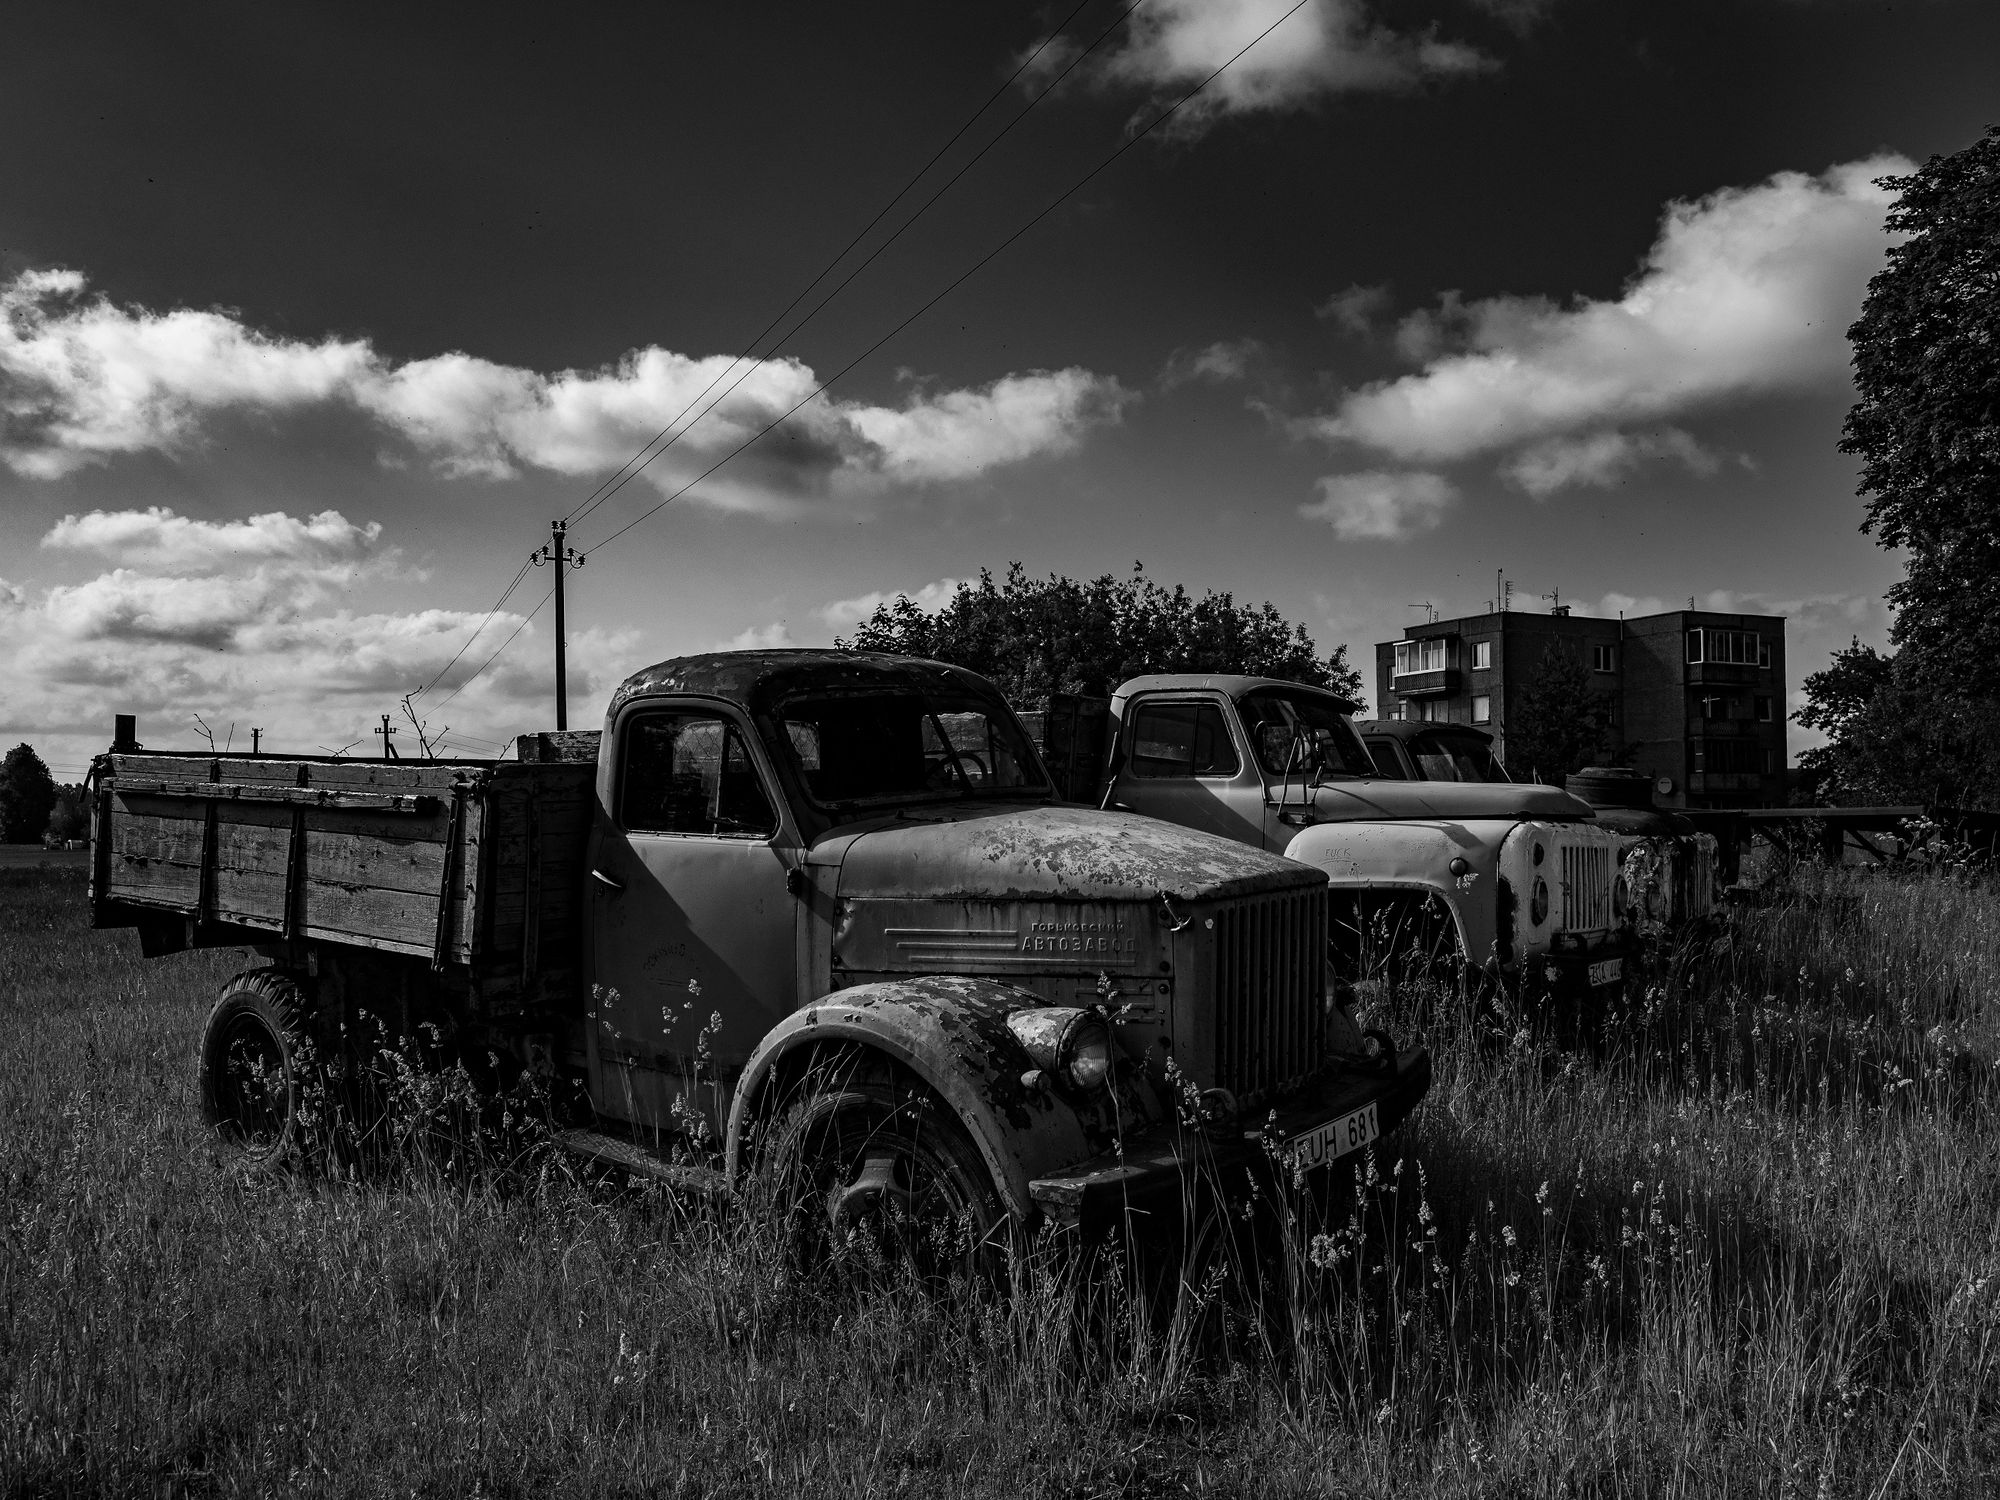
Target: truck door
1182 763
690 916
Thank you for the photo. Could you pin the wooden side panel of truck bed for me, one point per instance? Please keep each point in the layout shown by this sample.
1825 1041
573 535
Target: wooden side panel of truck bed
473 863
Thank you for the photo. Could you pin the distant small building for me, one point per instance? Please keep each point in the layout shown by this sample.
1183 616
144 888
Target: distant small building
1695 699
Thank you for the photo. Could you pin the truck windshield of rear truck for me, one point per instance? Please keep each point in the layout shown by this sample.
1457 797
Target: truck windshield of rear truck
1454 757
859 750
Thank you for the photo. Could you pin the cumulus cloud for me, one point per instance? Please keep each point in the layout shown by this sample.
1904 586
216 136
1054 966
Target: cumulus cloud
83 380
1603 458
1746 292
1330 47
1358 311
845 614
172 632
1220 363
157 537
1379 505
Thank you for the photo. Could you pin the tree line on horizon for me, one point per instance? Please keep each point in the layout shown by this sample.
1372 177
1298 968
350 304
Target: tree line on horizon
34 808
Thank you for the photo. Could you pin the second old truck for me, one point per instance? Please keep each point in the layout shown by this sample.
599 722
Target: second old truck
1519 882
835 892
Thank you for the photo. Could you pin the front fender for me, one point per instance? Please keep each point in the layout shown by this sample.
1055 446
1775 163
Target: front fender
1412 857
953 1034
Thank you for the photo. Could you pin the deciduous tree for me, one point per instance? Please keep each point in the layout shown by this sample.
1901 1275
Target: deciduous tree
1036 636
27 794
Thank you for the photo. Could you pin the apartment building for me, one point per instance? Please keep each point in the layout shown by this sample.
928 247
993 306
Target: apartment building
1694 698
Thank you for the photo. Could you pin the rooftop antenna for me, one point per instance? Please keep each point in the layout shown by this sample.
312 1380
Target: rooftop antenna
1430 611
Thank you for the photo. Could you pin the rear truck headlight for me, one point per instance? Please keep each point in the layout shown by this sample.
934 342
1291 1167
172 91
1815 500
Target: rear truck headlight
1068 1042
1621 898
1538 901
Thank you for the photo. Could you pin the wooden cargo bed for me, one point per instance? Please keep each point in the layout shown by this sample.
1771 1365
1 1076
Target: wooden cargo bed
473 863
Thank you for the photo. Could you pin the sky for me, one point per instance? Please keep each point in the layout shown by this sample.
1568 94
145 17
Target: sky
312 319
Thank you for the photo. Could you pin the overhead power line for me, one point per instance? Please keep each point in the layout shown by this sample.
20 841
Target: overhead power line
439 705
633 466
1050 207
505 595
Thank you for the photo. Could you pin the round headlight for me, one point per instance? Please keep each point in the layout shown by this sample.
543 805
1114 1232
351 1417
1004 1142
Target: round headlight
1085 1061
1538 902
1066 1041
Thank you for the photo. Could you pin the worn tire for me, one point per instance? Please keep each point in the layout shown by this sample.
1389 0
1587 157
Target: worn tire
257 1060
879 1176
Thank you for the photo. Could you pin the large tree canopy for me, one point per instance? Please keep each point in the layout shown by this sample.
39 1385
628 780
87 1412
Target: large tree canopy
1921 725
1036 636
1926 425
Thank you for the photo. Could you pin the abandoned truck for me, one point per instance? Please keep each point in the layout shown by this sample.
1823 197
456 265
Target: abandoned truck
1516 881
1669 867
922 982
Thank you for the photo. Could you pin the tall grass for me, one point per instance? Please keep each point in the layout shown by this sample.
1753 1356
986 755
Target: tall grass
1740 1238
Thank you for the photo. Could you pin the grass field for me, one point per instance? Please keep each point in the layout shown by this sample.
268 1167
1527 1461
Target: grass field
1744 1240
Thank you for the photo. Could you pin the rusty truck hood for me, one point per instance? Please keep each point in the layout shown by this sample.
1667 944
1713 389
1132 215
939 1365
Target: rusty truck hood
1372 801
995 852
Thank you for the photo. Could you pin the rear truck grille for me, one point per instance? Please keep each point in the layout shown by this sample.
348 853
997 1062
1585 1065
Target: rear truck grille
1270 984
1586 881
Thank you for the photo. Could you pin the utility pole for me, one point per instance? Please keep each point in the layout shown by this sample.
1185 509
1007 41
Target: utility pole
564 558
388 745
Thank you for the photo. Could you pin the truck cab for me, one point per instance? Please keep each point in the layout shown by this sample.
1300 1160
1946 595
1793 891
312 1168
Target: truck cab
1420 750
1517 880
828 901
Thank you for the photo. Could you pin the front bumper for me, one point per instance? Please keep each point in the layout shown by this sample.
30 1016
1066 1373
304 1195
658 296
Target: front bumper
1155 1175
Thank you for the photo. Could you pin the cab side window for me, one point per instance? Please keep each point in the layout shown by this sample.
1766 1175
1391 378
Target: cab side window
1181 739
1383 753
690 772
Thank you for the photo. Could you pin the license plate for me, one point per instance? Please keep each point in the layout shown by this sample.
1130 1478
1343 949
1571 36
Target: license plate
1610 971
1333 1139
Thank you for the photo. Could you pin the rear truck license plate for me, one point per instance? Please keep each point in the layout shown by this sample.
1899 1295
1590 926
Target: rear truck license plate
1333 1139
1608 971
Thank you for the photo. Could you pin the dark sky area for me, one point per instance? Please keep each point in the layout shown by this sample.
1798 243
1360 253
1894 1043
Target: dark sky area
279 221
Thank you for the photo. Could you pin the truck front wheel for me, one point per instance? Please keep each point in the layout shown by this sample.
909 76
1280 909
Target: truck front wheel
256 1053
880 1176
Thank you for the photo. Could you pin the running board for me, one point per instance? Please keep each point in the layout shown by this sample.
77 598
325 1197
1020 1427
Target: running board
609 1151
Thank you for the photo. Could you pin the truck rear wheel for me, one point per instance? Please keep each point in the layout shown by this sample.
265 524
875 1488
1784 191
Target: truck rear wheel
879 1176
256 1053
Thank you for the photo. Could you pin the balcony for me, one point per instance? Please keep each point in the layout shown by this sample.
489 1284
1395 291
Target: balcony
1426 684
1725 674
1712 783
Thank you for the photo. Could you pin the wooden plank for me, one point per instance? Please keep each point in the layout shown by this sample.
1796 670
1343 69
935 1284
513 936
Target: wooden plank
164 767
405 917
382 864
238 791
388 776
396 827
257 769
171 882
141 835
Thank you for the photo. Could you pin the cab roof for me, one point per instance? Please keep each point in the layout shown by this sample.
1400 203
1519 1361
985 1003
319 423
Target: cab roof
1224 682
758 679
1409 729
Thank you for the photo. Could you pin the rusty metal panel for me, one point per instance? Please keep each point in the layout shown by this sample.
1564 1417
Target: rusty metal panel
915 936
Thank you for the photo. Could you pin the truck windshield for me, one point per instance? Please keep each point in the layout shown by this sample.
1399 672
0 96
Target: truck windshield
1301 732
1453 757
852 749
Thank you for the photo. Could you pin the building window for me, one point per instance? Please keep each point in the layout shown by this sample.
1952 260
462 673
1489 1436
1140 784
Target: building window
1482 708
1764 710
1482 656
1731 758
1432 710
1714 706
1741 648
1420 656
1770 762
1603 658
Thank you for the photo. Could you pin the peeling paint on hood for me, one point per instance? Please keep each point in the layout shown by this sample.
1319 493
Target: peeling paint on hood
985 852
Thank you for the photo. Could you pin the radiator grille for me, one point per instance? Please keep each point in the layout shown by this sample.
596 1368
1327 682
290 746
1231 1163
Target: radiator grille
1586 882
1270 983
